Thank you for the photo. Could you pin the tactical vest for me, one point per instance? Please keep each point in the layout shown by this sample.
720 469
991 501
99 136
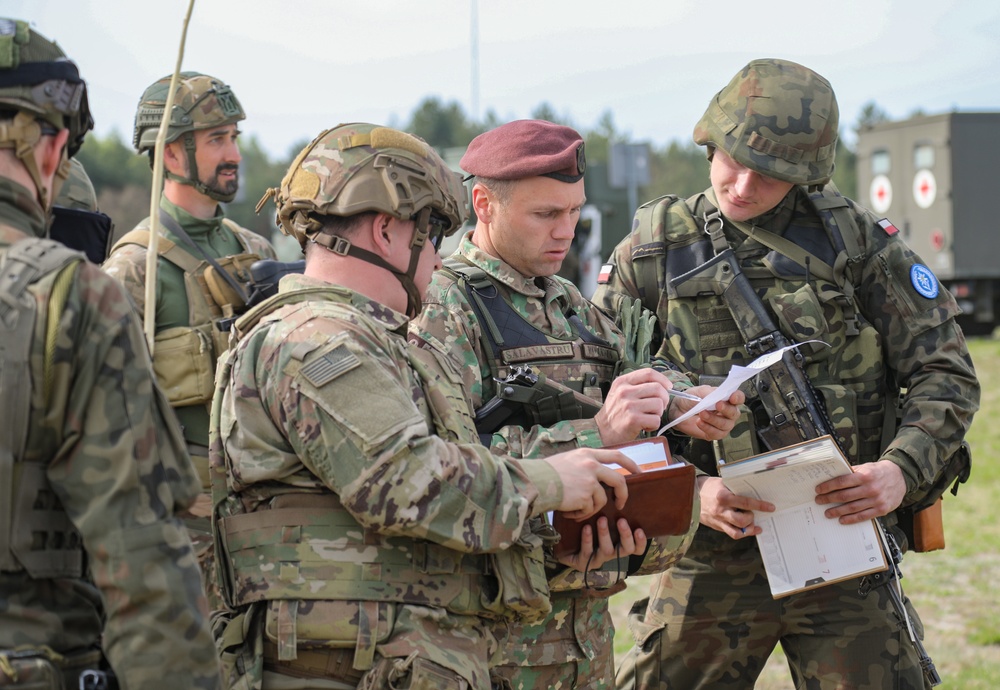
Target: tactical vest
584 361
36 535
184 357
849 375
319 552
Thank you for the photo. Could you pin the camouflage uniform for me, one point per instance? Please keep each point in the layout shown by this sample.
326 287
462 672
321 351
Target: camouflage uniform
189 307
286 434
711 621
369 537
572 647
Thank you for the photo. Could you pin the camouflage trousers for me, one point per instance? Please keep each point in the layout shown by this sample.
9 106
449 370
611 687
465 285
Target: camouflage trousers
711 622
570 649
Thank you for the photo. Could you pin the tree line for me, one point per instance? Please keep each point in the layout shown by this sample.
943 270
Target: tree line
122 178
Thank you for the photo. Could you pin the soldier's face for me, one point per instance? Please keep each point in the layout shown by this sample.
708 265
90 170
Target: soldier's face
218 156
534 229
743 193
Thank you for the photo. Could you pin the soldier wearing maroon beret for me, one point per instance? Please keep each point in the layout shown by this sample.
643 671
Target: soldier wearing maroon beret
498 305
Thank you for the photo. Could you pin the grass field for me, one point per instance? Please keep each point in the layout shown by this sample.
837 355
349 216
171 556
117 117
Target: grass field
957 590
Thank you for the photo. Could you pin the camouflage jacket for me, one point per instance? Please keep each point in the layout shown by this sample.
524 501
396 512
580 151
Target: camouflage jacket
449 323
175 308
116 465
324 397
895 329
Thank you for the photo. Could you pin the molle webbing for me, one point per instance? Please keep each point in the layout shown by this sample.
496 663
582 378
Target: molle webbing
317 551
36 535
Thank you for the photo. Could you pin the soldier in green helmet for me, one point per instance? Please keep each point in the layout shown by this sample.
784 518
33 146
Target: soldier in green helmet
99 587
371 540
202 271
824 269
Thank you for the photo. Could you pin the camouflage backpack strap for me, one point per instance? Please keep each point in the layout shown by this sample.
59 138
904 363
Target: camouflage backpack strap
22 517
648 251
837 218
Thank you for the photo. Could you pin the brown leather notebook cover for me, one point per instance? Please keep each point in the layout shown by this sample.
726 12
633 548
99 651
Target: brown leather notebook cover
660 501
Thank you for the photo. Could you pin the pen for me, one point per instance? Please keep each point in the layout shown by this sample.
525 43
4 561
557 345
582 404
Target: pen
681 394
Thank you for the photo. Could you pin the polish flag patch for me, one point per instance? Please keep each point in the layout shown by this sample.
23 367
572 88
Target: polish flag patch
889 228
605 275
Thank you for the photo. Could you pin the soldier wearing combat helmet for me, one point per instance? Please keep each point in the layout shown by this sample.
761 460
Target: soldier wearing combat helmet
373 540
825 269
498 304
202 271
97 574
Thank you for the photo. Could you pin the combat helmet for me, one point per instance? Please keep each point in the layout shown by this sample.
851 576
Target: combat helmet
778 118
44 90
200 102
359 167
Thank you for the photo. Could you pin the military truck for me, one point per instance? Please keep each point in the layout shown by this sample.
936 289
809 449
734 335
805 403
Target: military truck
934 177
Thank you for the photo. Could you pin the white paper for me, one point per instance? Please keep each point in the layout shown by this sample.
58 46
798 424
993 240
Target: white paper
801 547
737 375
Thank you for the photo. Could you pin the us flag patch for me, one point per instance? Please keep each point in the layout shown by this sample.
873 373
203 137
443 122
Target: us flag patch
338 361
889 228
605 275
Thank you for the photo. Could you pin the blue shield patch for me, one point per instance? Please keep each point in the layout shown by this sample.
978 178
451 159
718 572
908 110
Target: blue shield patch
924 281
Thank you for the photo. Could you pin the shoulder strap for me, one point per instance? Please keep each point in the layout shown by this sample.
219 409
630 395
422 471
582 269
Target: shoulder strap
164 247
647 251
477 283
176 228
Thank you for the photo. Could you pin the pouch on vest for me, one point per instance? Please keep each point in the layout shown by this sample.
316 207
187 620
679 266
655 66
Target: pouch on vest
29 672
520 573
224 294
183 365
323 623
239 639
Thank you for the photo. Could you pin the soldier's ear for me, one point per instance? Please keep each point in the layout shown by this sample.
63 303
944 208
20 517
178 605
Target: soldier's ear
483 203
50 152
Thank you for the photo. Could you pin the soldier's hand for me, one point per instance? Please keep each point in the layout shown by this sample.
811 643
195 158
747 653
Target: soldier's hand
589 558
874 489
708 425
584 473
727 512
635 403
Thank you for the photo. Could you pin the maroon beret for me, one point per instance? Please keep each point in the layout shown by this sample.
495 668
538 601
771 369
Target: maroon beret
526 148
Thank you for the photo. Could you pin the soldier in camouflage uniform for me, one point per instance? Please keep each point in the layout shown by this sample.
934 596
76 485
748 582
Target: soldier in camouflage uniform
370 539
829 270
527 198
92 466
201 276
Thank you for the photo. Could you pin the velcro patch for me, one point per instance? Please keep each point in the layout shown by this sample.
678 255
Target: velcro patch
889 228
605 275
329 366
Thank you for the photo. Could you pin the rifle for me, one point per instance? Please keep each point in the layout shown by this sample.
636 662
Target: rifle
525 392
264 277
792 407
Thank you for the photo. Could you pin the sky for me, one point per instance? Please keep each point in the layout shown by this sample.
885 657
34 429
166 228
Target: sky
301 66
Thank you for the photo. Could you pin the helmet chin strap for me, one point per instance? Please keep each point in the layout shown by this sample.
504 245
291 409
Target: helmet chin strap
193 180
342 246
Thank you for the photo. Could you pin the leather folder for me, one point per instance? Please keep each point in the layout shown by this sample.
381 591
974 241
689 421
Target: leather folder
660 501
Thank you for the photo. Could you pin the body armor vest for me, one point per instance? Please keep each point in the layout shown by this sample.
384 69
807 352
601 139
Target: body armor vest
184 357
320 552
583 362
36 535
849 375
